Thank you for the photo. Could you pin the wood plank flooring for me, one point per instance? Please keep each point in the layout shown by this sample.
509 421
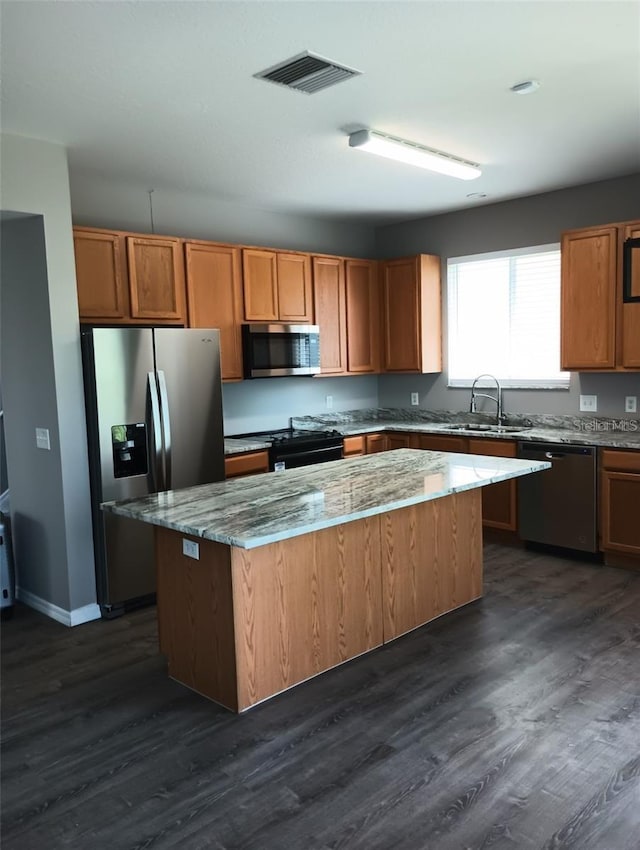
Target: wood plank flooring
512 723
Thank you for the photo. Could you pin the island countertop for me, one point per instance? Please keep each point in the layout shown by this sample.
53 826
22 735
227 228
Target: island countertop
261 509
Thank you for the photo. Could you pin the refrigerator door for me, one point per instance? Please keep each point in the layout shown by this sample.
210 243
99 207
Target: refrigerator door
188 367
117 363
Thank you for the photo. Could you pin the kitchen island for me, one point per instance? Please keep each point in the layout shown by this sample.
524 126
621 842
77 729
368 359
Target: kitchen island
266 581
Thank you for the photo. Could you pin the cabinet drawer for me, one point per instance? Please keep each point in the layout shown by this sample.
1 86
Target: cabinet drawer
246 464
443 444
626 461
493 448
353 446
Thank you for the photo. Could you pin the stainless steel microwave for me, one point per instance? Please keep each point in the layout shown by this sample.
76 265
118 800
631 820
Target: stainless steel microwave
278 350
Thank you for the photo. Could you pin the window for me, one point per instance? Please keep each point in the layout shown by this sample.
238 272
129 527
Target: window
504 318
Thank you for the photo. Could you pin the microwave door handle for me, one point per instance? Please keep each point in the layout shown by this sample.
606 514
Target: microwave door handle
166 428
154 427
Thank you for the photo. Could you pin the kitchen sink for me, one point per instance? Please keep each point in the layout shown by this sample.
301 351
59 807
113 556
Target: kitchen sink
487 429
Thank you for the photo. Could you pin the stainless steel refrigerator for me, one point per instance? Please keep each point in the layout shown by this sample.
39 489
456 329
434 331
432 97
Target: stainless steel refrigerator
154 422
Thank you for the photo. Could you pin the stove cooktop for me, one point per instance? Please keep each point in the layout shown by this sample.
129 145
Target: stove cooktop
290 436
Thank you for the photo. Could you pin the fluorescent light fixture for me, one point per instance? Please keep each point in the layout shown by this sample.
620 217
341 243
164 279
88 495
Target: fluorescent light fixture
413 154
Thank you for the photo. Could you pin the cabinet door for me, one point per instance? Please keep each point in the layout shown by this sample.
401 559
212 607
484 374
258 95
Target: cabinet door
499 505
376 443
363 316
620 500
330 312
630 313
443 444
401 316
353 446
589 266
259 280
156 279
100 275
214 294
295 301
251 463
398 441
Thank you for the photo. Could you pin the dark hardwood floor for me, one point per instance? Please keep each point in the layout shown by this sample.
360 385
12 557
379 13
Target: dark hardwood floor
513 723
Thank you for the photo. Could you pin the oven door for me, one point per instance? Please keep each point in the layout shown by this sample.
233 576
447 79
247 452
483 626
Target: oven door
282 458
274 350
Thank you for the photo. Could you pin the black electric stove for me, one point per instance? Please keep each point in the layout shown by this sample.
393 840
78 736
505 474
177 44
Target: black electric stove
293 447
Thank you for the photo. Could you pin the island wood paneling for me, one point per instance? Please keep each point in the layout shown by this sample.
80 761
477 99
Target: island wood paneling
431 561
195 615
304 605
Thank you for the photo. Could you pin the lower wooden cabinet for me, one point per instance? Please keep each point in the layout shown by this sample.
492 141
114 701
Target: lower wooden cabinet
353 446
250 463
442 444
376 443
620 501
398 441
499 501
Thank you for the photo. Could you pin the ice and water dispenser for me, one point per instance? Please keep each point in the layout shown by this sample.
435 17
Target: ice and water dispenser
129 445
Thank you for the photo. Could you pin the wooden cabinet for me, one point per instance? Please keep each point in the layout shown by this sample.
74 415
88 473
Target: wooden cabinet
376 443
277 286
433 443
352 446
126 278
398 441
598 331
214 299
499 501
331 313
629 316
411 296
249 463
620 501
363 316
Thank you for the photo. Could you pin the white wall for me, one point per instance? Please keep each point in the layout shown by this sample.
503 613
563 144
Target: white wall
536 220
42 383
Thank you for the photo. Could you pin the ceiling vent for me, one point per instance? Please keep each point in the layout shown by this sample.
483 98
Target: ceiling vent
307 73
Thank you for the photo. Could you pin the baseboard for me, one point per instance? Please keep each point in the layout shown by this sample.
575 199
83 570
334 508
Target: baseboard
68 618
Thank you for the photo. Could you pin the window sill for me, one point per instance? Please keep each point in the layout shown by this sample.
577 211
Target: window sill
507 385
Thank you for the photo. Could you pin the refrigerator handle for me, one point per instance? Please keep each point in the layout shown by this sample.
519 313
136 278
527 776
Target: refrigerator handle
155 434
166 427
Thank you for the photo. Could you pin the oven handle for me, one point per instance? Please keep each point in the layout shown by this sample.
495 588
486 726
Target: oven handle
287 456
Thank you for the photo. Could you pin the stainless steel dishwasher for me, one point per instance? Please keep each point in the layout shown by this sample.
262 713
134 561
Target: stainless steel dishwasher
558 507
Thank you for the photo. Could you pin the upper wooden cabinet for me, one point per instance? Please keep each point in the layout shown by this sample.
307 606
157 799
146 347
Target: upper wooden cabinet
331 313
277 286
129 278
363 316
598 331
411 293
214 298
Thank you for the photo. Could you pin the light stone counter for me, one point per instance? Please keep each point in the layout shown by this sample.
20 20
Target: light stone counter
241 445
262 509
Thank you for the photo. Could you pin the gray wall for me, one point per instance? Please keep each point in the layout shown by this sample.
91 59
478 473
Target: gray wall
536 220
42 378
269 403
97 202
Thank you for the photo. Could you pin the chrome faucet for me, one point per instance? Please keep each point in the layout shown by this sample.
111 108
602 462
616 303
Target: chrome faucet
500 417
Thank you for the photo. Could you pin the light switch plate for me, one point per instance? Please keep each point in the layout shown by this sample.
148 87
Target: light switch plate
191 549
42 439
588 403
329 401
415 399
630 403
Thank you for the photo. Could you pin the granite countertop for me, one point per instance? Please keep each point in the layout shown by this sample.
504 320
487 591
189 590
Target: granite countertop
241 445
609 433
260 509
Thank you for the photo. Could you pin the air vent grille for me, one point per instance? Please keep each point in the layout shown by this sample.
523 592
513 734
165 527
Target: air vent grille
307 73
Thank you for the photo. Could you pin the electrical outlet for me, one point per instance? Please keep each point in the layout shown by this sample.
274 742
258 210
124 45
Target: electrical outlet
328 401
588 403
42 439
415 398
191 549
630 404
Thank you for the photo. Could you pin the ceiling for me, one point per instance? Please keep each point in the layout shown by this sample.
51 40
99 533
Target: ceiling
163 94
